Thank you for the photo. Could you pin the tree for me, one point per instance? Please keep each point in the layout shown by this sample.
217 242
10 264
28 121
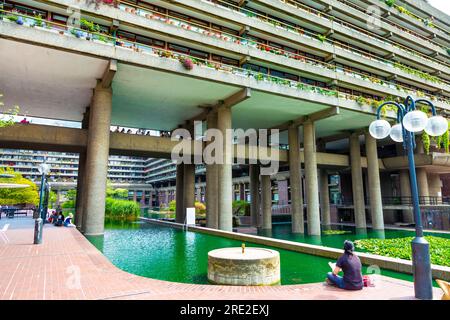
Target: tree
12 196
7 117
71 194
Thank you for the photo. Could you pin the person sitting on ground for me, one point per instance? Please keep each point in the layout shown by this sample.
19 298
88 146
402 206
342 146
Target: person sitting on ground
53 217
60 220
68 220
24 121
350 264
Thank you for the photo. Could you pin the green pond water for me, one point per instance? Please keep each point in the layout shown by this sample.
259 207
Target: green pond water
170 254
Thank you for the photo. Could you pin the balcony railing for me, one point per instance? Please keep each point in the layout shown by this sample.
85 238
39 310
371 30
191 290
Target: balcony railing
219 34
64 30
319 14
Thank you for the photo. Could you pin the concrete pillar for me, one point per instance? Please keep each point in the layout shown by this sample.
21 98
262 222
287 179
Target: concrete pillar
295 181
242 191
435 188
224 171
134 195
405 191
311 180
324 198
97 161
143 197
80 187
211 192
180 213
422 183
357 182
189 186
373 174
266 199
254 171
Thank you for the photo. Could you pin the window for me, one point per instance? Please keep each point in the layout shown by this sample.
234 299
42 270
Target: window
225 60
283 75
188 18
255 68
188 51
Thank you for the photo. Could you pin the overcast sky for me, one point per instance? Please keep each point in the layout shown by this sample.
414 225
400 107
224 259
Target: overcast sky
443 5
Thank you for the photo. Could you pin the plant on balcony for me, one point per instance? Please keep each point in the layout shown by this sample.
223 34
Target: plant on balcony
187 63
448 51
426 142
12 18
390 3
19 20
89 25
322 38
77 33
7 117
38 21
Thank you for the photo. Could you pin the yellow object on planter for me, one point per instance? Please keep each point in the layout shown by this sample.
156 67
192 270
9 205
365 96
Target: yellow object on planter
445 286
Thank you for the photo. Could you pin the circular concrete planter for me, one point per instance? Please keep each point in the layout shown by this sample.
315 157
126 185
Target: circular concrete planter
254 267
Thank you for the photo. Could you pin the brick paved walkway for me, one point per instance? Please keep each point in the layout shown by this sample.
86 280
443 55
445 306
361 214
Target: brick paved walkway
68 266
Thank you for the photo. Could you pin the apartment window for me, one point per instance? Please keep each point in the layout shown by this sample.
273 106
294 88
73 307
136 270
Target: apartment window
255 68
188 51
224 29
188 18
59 18
225 60
8 6
283 75
150 6
280 46
150 42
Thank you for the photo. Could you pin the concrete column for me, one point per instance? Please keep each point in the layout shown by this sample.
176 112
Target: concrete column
254 194
435 188
311 180
295 181
357 182
189 186
405 191
180 213
224 172
324 198
211 192
97 161
134 195
422 183
373 174
80 187
266 199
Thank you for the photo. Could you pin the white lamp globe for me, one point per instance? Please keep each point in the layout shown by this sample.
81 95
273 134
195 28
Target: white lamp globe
44 168
415 121
396 133
379 129
436 126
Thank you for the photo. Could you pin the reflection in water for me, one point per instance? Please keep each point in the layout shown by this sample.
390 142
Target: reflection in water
361 233
380 234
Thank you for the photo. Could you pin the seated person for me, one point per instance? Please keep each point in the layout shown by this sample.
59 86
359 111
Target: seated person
60 220
68 221
53 217
350 264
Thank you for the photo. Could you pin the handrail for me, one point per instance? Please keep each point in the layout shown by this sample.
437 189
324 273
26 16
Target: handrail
138 47
287 27
243 41
354 27
357 7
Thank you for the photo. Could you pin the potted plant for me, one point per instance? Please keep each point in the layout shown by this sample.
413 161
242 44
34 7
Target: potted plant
187 63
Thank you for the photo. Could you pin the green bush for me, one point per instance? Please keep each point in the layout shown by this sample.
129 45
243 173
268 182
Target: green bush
241 207
116 209
68 204
401 248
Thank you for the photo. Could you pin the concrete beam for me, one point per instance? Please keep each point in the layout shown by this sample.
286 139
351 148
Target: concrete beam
244 30
109 73
52 138
316 116
237 98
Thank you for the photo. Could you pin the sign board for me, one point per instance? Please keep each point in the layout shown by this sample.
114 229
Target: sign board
190 216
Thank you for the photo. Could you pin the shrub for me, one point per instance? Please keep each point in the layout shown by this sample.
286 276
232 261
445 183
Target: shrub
241 207
69 204
116 209
390 3
401 248
12 196
172 206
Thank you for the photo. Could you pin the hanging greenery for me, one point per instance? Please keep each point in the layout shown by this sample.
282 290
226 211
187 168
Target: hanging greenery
426 142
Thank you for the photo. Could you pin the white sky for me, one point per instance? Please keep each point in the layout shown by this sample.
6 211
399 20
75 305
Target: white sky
443 5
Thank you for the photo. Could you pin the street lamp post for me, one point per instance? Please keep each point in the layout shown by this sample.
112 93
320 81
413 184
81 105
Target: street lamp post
43 169
410 121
